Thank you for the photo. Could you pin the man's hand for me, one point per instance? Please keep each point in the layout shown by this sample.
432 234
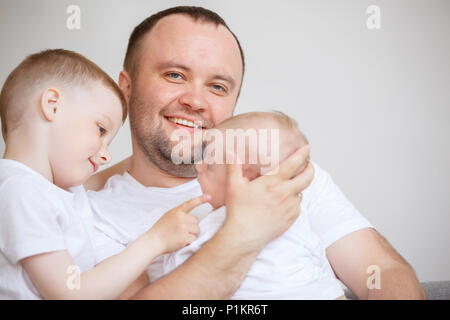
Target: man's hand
257 212
261 210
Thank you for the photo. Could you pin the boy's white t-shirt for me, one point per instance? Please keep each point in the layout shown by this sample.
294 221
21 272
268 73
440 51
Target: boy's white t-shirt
125 209
38 217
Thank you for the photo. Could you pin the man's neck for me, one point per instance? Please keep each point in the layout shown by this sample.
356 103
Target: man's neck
149 175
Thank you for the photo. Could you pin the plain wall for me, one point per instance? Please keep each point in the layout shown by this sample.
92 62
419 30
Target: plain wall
373 103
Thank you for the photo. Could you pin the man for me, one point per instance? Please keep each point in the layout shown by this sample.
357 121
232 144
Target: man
185 64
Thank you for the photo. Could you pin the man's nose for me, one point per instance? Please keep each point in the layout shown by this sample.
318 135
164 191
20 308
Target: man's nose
193 98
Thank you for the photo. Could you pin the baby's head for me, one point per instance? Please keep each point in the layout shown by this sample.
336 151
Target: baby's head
65 105
270 137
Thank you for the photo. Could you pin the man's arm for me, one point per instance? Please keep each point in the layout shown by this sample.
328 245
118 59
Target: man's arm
97 181
351 256
214 272
257 212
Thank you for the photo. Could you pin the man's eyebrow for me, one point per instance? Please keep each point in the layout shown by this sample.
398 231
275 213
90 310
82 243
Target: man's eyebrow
171 64
225 78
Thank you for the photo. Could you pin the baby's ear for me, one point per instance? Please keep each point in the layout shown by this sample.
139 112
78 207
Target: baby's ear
50 103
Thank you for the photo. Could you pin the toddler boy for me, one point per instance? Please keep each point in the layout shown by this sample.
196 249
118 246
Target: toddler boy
59 113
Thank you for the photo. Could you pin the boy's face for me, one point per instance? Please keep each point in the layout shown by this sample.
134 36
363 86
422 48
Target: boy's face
89 118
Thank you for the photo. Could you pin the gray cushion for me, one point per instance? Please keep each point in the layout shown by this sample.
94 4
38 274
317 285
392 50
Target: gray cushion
434 290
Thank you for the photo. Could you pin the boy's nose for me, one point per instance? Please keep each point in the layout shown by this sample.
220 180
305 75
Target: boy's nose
104 156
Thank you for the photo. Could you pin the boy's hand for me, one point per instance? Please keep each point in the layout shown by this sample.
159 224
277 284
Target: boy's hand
177 228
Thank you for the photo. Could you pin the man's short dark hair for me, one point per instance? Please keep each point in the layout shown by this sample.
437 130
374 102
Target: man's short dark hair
131 61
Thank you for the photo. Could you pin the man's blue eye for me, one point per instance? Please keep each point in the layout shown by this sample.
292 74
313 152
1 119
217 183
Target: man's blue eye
174 75
219 88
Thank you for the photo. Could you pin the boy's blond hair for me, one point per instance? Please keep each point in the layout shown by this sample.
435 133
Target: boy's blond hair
59 65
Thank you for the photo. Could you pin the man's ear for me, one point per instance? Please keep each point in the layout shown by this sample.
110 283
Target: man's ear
50 103
125 84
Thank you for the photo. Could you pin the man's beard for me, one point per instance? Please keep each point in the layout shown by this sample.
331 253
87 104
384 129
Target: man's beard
155 144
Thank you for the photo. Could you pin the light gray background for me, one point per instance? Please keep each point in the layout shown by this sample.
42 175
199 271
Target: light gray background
373 103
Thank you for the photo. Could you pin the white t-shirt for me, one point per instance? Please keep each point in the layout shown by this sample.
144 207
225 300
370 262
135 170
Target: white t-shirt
125 209
38 217
293 266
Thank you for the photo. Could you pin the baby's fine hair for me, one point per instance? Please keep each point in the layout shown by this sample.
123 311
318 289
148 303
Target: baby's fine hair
283 120
292 139
52 67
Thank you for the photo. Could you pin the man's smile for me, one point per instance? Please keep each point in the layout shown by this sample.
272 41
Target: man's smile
185 123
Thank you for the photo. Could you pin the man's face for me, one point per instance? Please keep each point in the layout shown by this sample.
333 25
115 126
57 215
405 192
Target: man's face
188 71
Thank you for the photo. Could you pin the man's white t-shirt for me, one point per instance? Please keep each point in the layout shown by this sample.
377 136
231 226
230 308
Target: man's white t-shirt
38 217
125 209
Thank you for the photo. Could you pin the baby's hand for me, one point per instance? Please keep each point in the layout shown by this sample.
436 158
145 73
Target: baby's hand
177 228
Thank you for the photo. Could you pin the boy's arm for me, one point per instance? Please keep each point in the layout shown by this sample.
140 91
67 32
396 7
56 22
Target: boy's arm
97 181
111 277
257 212
54 279
135 287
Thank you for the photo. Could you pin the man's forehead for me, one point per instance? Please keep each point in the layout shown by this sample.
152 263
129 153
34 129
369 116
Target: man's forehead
178 37
175 23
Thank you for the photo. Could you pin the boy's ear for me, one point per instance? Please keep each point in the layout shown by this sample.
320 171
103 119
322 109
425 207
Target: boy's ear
50 103
125 84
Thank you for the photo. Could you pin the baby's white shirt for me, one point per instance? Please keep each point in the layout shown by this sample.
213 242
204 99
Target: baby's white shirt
293 266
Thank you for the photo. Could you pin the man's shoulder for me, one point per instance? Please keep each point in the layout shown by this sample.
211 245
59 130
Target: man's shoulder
98 181
320 181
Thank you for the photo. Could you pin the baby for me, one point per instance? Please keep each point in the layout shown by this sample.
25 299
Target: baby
59 112
294 266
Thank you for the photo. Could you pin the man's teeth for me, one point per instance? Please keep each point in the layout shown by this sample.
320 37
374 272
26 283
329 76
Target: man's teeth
185 122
